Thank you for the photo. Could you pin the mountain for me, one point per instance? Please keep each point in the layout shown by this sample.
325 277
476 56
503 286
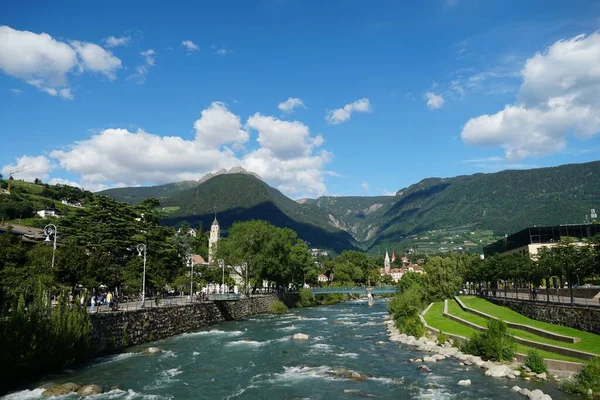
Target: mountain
502 202
440 212
238 197
136 194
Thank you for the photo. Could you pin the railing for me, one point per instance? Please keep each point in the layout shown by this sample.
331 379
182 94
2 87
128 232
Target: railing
355 289
223 296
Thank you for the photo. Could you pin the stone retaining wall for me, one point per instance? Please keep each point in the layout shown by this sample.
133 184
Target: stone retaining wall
584 319
113 331
583 293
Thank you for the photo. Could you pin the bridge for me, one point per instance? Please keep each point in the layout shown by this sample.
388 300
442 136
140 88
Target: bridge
355 290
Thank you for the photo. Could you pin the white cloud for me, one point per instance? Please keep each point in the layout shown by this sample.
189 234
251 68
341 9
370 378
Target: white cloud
483 160
285 139
223 51
96 59
343 114
16 91
287 156
451 3
113 41
365 186
190 46
218 126
290 104
141 71
560 94
434 101
29 168
46 63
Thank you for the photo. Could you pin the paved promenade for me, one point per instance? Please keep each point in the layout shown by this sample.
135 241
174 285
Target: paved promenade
541 298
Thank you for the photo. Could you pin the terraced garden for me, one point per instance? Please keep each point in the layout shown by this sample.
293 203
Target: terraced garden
435 318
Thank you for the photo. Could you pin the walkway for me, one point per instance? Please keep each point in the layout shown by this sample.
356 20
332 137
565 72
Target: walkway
541 298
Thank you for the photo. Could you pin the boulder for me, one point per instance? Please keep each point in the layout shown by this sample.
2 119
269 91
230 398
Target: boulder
153 350
524 392
347 374
499 371
300 336
115 387
61 390
515 388
418 360
537 394
542 376
429 359
89 390
424 368
464 382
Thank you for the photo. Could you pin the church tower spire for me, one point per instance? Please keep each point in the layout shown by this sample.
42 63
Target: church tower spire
386 262
213 239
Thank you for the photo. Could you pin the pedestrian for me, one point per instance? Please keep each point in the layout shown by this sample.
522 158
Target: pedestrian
109 297
92 304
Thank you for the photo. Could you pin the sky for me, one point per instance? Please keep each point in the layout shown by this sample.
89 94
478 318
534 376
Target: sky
318 98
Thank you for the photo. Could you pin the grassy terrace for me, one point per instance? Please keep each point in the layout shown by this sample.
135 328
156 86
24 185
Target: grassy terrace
588 341
435 319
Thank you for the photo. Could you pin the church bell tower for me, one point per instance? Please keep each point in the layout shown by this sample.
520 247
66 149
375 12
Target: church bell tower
213 239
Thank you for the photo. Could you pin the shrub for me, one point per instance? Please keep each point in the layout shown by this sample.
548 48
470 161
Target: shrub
330 298
305 298
494 344
408 303
277 307
411 326
588 378
442 338
535 362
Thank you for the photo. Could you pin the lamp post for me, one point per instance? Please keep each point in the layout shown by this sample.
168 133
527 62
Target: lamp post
142 248
190 260
50 230
222 264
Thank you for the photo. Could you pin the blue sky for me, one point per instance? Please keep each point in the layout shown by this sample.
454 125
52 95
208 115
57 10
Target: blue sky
339 98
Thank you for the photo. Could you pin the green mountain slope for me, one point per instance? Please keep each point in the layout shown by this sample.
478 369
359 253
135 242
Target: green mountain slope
135 195
504 202
236 197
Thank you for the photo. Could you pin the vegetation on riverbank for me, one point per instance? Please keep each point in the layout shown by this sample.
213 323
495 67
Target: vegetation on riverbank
38 338
277 307
587 381
494 344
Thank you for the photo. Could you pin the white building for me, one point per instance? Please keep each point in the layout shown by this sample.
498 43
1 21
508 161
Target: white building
71 204
191 232
322 278
47 213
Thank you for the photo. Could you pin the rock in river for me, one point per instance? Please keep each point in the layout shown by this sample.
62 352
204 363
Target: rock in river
423 368
61 390
153 350
300 336
89 390
464 382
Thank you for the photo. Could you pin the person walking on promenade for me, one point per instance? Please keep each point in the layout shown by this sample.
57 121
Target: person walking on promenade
109 297
92 304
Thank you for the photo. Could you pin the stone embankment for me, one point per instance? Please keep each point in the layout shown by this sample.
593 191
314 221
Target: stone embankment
111 332
442 352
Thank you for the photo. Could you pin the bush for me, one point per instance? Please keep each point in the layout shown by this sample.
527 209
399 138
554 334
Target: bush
411 326
442 338
535 362
305 298
494 344
277 307
330 298
408 303
588 378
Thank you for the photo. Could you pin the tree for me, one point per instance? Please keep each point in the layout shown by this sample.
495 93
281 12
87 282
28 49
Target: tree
443 277
410 279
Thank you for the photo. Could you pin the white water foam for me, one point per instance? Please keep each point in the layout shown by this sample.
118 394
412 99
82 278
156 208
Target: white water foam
116 357
24 395
195 353
251 343
320 348
169 354
288 328
216 332
347 355
312 319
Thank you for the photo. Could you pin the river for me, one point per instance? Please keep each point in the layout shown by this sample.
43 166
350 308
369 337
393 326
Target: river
256 359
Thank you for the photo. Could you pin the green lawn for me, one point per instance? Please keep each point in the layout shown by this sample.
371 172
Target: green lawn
588 341
454 309
435 319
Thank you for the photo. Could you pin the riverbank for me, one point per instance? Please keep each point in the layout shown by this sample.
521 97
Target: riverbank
510 371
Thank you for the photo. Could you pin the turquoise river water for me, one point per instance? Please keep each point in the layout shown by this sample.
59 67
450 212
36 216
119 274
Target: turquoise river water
256 359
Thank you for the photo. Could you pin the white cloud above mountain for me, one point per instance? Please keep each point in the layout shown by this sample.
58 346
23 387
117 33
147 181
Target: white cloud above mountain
340 115
113 41
434 101
46 63
190 46
559 96
291 104
284 153
29 168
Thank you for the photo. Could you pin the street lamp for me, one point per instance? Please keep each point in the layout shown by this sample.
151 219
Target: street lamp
50 230
222 264
142 248
190 260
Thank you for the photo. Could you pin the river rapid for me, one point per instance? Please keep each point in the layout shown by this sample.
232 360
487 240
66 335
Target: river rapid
256 359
